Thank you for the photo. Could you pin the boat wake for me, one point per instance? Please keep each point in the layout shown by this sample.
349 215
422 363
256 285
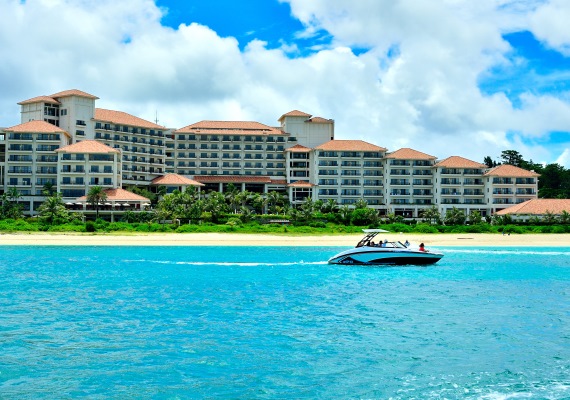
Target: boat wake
507 251
229 264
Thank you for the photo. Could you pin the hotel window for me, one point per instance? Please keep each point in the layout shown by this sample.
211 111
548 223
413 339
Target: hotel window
94 168
63 112
66 180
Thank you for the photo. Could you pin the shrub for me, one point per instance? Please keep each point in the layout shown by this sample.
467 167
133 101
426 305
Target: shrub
398 227
425 228
90 226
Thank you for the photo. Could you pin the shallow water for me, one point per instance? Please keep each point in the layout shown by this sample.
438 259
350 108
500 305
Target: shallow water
262 322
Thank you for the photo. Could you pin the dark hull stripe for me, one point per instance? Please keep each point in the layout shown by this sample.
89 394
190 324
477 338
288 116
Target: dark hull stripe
387 261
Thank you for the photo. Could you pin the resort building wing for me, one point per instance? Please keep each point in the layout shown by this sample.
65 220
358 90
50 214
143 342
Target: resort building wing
65 141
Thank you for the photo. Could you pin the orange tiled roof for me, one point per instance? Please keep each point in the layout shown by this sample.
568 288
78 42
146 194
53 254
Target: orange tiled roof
88 147
73 92
122 118
301 184
233 178
538 207
459 162
278 181
295 113
230 128
319 120
119 195
409 154
36 127
511 171
349 145
175 179
298 149
40 99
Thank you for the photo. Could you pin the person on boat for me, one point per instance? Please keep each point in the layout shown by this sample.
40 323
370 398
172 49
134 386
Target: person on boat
422 248
407 244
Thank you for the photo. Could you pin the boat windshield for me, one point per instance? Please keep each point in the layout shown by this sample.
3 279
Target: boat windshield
368 242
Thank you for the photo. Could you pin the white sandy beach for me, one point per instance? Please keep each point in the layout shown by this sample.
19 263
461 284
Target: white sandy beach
236 239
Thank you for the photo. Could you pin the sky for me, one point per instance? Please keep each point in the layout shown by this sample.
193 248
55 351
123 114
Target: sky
446 77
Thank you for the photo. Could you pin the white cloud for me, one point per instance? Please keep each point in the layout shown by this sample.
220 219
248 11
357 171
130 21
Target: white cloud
550 23
424 95
564 158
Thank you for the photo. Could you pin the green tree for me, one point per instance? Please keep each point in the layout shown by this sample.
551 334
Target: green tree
549 218
258 202
431 215
10 208
48 189
489 162
307 208
274 201
52 210
512 157
455 216
345 212
330 206
564 217
360 204
95 197
216 205
475 217
363 216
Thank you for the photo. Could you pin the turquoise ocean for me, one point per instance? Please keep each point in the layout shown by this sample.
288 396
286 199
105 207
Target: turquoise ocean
280 323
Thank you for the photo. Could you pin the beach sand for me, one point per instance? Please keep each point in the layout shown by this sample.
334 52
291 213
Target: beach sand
238 239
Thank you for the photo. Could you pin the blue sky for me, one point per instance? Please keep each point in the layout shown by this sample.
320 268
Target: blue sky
450 77
266 20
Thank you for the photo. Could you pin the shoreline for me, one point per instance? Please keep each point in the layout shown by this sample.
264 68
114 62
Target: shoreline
241 239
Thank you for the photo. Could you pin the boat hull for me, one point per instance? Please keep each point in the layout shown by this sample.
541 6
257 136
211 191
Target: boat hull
380 256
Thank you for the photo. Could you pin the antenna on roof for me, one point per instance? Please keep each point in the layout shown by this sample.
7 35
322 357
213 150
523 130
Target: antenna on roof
156 117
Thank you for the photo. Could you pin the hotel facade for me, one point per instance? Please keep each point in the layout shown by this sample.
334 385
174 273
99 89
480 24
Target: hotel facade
64 141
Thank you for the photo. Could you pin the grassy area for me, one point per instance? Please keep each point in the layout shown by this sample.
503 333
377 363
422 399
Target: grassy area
318 228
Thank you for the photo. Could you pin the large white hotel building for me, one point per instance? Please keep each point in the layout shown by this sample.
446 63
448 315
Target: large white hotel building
65 141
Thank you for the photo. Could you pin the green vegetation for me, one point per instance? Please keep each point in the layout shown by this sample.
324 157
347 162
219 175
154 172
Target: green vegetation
186 212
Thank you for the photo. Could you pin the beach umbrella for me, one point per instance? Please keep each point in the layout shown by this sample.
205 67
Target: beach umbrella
126 204
69 203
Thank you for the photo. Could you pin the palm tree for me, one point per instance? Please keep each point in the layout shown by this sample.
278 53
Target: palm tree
431 215
10 207
216 205
454 216
274 199
475 217
53 210
360 204
345 212
330 206
48 189
95 196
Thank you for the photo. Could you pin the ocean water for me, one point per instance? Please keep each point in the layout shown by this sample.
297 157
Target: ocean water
280 323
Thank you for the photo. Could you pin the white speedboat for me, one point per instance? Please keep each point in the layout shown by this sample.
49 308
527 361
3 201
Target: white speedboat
367 252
